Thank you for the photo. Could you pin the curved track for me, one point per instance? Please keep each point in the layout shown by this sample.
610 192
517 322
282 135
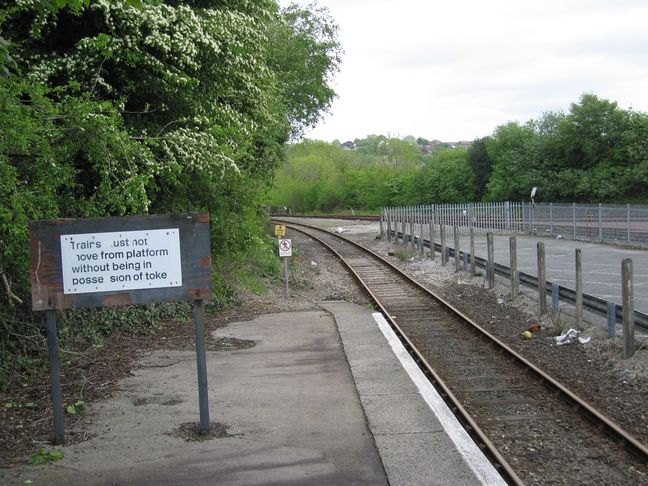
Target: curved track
532 428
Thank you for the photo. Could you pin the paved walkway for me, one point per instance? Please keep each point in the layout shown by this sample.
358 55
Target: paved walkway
321 399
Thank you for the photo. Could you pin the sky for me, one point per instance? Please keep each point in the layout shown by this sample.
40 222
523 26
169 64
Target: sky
454 70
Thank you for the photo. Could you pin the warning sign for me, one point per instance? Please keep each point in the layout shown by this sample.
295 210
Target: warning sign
280 229
285 248
121 260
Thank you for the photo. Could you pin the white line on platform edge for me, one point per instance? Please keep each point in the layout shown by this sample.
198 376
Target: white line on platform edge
472 455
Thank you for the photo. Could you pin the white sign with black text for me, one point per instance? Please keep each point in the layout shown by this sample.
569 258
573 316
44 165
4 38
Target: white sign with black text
125 260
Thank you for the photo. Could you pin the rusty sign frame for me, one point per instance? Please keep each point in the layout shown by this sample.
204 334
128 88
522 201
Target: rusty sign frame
47 272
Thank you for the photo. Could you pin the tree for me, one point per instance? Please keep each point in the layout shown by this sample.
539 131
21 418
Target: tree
592 132
108 109
446 178
481 164
512 148
305 54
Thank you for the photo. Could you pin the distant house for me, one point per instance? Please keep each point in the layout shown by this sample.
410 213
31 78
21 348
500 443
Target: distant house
464 143
349 145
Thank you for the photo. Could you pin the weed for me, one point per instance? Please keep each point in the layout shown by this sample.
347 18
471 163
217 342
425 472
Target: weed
44 457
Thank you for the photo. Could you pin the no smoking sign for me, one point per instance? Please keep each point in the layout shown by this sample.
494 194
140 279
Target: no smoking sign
285 248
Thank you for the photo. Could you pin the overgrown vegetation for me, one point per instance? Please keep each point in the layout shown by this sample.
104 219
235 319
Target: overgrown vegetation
126 107
597 152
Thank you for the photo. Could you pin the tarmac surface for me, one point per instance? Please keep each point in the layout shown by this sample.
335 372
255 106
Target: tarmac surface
601 264
323 398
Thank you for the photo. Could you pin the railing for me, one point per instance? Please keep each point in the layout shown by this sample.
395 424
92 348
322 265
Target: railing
599 222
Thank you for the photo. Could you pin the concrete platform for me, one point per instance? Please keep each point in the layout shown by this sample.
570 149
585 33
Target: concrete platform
297 413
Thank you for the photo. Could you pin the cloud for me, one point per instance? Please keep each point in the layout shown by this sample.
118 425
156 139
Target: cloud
456 70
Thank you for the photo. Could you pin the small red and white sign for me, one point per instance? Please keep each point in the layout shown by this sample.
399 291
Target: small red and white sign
285 248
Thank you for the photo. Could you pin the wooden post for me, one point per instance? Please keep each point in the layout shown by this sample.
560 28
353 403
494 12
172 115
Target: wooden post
403 229
455 231
472 252
444 256
421 238
389 235
490 263
514 268
579 289
411 229
628 308
432 249
382 229
542 279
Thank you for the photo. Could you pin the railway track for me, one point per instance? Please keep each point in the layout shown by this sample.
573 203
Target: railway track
532 428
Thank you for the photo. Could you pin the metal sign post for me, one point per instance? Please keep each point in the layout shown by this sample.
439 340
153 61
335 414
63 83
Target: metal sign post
201 362
55 377
285 251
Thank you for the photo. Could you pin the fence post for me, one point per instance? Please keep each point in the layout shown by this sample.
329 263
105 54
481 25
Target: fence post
628 308
421 237
472 252
382 229
579 289
508 216
490 264
456 247
628 220
411 227
551 222
432 250
600 221
514 270
444 256
542 280
404 241
574 218
389 237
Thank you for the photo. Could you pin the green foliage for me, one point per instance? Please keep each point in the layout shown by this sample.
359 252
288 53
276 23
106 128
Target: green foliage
595 153
447 177
44 457
481 164
248 270
304 33
127 107
322 177
76 407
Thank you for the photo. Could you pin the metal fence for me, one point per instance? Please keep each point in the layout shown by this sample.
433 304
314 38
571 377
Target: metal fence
599 222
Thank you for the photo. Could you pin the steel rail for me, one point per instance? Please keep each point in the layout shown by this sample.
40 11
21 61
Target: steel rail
596 417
